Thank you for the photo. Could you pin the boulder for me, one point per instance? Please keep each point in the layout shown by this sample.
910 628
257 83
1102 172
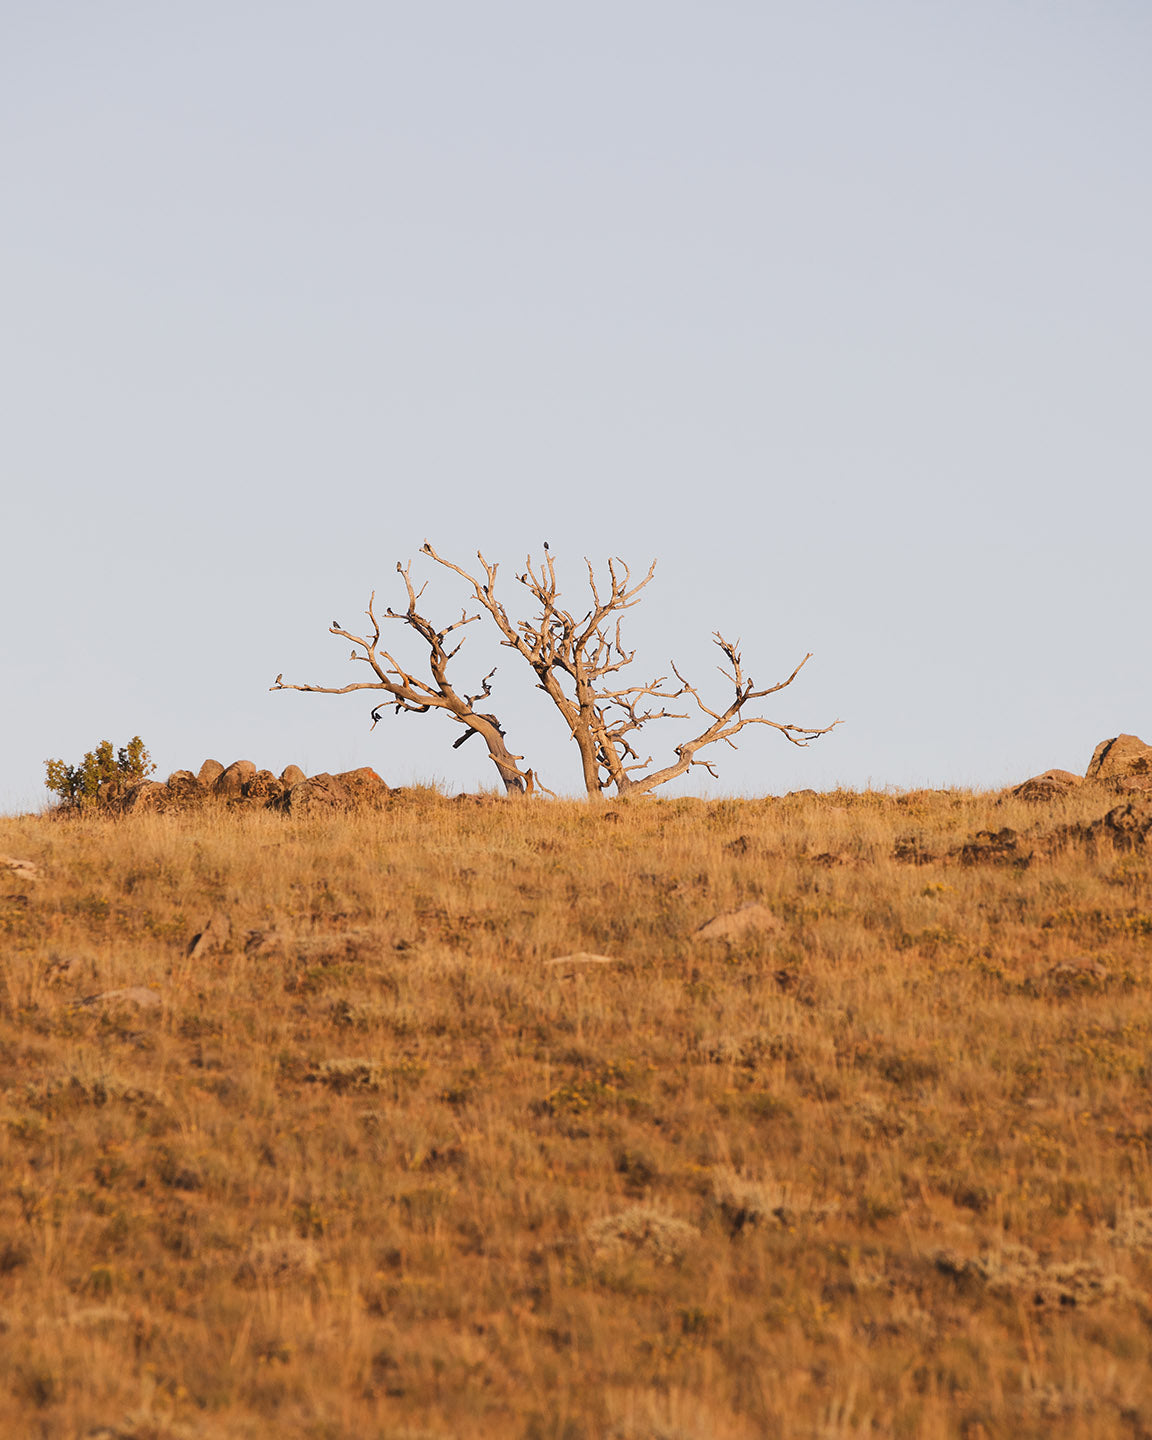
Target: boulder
316 794
210 772
214 936
144 795
263 786
1052 785
292 775
230 783
364 786
993 847
1125 757
22 869
1125 827
185 788
753 919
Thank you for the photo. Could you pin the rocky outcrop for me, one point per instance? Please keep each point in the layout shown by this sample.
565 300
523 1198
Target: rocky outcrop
1125 760
1052 785
143 795
230 784
993 847
1123 764
242 786
263 786
215 935
1125 827
321 792
185 790
365 788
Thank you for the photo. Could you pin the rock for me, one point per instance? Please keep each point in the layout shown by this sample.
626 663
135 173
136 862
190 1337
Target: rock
292 775
184 789
142 996
754 919
263 786
1125 757
144 795
22 869
216 933
989 847
364 786
317 793
1052 785
910 851
210 772
1126 827
229 784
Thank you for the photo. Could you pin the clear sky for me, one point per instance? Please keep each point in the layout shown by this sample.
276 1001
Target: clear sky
841 311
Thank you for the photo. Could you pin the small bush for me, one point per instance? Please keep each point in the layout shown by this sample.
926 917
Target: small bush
101 769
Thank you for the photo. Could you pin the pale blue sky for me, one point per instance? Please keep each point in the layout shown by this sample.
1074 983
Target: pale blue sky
843 311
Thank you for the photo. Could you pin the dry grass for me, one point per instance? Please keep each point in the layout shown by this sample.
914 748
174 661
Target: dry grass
372 1167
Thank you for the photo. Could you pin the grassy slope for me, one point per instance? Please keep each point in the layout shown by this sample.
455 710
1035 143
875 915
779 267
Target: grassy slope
345 1181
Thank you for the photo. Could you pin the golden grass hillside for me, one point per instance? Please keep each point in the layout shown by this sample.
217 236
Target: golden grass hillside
365 1164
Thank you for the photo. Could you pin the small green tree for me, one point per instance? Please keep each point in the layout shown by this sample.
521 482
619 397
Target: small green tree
79 785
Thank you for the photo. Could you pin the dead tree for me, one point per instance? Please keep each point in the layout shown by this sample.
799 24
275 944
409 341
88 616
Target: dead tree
409 694
579 665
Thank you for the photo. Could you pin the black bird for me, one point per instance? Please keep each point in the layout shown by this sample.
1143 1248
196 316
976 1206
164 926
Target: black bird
546 544
336 625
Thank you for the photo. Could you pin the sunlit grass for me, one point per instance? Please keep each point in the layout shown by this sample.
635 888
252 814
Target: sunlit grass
373 1167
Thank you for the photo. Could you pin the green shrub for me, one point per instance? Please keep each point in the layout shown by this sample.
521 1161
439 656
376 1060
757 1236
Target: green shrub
103 767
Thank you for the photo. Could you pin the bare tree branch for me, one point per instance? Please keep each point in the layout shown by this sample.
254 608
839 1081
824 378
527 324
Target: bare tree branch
573 660
410 694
